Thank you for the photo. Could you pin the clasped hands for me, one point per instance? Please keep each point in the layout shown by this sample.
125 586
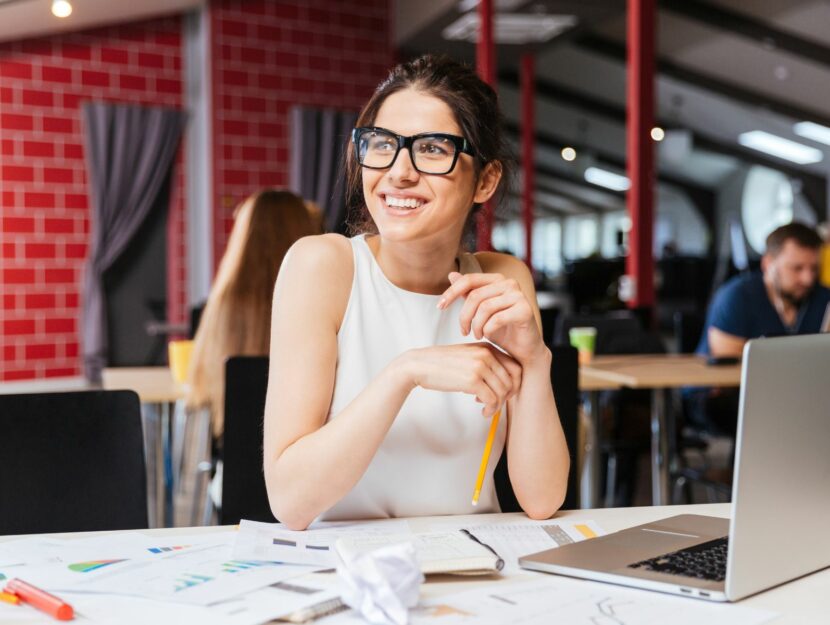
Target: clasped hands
495 309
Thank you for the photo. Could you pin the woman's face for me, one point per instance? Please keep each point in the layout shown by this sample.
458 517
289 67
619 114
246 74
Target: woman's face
407 205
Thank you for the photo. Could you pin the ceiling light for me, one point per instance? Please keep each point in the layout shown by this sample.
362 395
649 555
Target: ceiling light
657 133
499 5
780 147
510 28
607 179
813 131
568 153
61 8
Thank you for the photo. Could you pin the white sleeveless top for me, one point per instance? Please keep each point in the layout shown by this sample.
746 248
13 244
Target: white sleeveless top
429 460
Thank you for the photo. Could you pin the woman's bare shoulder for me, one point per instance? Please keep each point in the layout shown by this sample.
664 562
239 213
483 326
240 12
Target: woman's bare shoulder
505 264
318 270
327 256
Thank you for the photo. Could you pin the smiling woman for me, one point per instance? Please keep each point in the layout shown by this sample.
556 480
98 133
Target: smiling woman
381 373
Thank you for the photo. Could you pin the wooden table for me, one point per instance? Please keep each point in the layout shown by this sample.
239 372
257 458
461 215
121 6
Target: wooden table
660 373
799 602
156 388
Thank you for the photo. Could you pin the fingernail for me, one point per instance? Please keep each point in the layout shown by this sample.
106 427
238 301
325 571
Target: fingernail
441 303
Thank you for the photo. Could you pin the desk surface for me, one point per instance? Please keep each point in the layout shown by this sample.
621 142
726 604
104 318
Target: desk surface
661 371
153 384
799 602
588 381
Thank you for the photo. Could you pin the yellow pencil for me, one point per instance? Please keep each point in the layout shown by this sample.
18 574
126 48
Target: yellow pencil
485 457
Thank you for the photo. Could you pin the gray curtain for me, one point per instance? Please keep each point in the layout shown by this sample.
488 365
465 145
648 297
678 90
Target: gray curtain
319 138
130 152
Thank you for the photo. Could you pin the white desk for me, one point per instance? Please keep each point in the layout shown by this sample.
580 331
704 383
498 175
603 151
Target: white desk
801 602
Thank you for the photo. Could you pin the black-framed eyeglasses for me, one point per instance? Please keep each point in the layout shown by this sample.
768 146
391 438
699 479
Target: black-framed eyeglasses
430 152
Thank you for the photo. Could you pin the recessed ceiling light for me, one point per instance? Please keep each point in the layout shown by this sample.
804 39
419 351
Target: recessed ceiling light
607 179
657 133
61 8
813 131
568 153
511 28
780 147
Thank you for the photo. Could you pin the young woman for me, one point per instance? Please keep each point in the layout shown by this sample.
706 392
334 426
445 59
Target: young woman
391 351
237 316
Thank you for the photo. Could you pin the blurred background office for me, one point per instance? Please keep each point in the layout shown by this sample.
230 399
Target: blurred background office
210 100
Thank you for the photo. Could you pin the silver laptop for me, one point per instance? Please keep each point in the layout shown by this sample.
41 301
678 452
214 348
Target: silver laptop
778 529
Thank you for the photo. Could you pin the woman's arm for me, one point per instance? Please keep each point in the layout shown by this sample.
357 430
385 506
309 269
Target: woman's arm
310 464
501 306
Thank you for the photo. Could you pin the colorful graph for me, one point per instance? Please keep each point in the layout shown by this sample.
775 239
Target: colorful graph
167 549
189 580
86 567
236 566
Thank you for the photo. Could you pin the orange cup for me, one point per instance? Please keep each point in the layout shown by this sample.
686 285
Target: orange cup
179 353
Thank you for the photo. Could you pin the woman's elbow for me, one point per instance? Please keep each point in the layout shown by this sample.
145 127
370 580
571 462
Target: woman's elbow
284 507
540 511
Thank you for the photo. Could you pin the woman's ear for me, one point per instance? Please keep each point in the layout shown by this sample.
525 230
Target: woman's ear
488 182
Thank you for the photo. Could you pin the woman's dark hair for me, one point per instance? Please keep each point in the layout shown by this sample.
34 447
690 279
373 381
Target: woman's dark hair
473 103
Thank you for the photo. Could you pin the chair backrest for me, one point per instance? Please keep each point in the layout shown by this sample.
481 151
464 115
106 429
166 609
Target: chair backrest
609 326
243 483
564 377
72 462
688 329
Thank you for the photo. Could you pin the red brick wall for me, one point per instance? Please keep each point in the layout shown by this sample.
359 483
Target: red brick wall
44 203
268 56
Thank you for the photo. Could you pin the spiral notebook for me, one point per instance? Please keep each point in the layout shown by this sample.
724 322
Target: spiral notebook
455 553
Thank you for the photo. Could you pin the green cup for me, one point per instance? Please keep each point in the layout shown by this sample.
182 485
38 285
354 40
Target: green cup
584 340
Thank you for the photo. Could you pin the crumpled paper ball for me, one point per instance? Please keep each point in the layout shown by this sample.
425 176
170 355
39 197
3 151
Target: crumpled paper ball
382 584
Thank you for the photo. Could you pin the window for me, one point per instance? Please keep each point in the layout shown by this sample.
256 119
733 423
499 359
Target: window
509 236
766 203
581 236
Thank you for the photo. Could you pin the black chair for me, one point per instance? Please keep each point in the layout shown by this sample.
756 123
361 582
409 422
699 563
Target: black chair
688 329
72 462
243 483
564 377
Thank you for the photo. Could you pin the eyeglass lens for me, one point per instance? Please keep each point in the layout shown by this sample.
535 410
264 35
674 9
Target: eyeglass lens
432 154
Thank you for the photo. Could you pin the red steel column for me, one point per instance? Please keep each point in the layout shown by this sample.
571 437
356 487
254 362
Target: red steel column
640 150
486 65
528 84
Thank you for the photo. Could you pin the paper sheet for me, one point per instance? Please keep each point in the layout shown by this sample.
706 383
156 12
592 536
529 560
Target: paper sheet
200 576
314 546
547 599
521 538
64 563
259 606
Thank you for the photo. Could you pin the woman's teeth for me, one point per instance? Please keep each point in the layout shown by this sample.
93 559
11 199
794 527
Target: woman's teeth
399 202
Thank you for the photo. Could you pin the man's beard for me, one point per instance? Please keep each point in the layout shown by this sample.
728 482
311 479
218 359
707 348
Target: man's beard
794 299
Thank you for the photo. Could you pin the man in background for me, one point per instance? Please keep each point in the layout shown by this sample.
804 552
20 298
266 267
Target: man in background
784 298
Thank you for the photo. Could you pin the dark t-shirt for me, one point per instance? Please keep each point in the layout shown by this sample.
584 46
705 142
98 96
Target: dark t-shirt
742 307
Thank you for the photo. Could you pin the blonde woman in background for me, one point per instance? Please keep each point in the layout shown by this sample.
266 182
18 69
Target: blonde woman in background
237 316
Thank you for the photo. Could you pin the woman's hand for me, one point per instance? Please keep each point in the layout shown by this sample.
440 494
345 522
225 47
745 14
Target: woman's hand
474 368
496 309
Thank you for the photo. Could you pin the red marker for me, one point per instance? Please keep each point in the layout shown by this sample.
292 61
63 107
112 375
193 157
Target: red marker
40 599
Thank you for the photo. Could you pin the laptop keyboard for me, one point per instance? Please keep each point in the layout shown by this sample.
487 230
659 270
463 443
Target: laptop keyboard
703 561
